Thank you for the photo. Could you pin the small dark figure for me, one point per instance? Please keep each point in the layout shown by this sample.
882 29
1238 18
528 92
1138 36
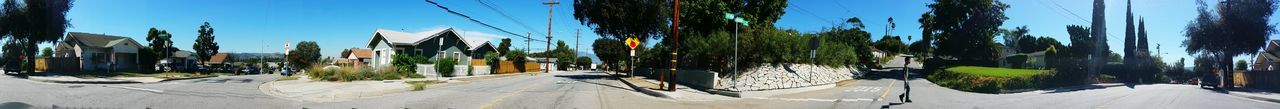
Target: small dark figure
906 73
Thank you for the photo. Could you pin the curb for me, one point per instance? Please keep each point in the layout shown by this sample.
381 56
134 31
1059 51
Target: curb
1272 100
186 78
646 91
84 82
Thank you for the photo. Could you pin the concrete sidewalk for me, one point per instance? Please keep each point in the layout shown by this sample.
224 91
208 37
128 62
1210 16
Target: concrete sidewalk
682 93
1257 95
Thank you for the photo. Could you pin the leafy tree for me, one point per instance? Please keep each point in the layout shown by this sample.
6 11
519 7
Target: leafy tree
619 19
1238 27
967 28
1081 43
30 23
1241 65
611 52
919 47
160 45
206 47
504 46
891 44
1016 37
305 55
46 52
584 62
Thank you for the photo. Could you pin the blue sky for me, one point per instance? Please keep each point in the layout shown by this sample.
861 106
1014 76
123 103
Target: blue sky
264 25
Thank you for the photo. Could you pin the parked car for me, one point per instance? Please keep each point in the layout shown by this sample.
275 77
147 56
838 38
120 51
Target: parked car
286 71
249 70
1209 80
11 67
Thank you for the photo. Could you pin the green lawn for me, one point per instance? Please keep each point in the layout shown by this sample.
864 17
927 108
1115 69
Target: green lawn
996 72
420 85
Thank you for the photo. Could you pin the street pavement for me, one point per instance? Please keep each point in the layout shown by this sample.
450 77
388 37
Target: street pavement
595 90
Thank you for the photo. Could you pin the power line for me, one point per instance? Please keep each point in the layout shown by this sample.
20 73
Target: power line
478 21
505 15
1069 12
815 16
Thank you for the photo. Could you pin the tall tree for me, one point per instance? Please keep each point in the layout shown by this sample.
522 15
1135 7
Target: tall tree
1100 40
1129 37
205 46
306 54
1014 38
504 46
1238 27
926 33
1142 36
967 29
160 45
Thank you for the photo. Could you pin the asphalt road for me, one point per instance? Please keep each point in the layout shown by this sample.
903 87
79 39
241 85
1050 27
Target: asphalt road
592 90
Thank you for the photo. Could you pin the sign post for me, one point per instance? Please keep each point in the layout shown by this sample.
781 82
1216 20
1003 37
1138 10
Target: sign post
632 43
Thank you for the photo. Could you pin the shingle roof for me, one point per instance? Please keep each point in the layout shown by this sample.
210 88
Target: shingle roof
182 54
98 40
360 53
218 58
405 38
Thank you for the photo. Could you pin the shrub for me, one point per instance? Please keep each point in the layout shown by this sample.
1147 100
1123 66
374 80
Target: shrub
990 80
491 58
445 66
469 69
406 63
1016 60
416 75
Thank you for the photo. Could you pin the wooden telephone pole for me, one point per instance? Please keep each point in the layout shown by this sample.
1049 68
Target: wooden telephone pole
550 8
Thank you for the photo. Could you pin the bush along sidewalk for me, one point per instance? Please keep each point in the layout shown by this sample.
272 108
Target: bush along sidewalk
445 66
352 74
990 80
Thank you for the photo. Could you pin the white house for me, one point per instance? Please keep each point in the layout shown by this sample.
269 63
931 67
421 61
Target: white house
100 51
434 44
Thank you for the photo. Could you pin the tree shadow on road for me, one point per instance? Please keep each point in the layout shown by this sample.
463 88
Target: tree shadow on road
585 78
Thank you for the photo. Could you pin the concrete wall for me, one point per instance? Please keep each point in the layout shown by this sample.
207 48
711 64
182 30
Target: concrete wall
691 78
480 70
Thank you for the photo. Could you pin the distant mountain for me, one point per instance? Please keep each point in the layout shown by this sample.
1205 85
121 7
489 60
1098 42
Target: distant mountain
594 59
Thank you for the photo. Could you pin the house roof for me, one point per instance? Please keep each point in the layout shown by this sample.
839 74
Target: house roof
218 58
360 53
394 37
182 54
100 40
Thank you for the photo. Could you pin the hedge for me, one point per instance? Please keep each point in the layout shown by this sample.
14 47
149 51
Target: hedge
990 80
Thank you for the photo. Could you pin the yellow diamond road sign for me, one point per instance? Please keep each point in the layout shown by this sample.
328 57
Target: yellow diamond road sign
633 43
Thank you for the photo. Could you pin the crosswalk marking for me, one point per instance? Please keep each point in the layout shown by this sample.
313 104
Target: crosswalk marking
864 89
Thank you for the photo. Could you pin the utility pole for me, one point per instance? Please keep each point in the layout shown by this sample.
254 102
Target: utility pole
576 35
550 8
526 42
675 25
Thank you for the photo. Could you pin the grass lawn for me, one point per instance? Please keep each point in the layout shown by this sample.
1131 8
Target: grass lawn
420 85
286 78
989 79
996 72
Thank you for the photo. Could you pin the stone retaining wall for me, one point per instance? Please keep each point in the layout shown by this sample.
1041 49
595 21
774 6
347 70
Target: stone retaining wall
769 77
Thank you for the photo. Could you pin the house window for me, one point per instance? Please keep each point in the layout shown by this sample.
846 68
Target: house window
439 55
458 56
419 52
400 50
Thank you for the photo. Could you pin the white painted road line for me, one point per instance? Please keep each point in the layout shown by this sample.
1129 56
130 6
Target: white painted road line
813 99
135 88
